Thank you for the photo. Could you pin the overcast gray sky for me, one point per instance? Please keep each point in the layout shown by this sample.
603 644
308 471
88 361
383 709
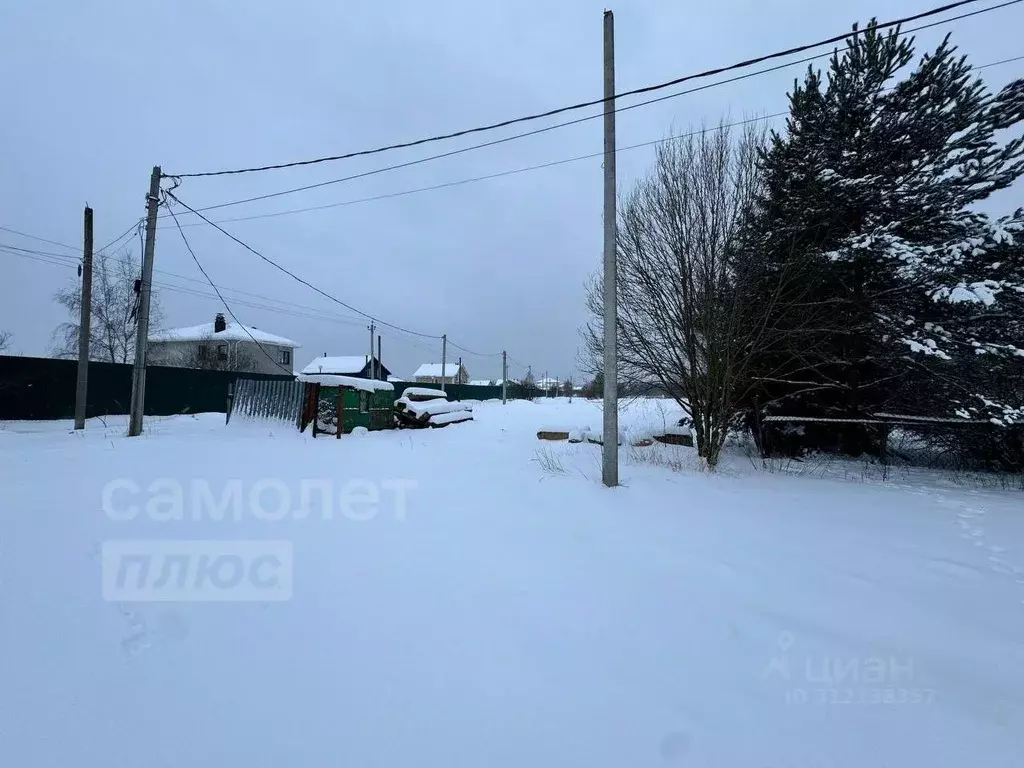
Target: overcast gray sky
95 94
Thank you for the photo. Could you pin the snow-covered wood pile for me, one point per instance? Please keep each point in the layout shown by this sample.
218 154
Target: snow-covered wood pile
435 412
582 434
454 417
675 436
553 433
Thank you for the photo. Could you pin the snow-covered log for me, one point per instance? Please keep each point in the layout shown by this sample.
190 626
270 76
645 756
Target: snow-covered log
419 414
420 394
444 419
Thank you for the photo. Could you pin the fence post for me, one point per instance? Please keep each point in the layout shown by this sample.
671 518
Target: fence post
231 402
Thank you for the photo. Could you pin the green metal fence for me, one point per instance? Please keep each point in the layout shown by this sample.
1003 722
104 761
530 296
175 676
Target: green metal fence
44 388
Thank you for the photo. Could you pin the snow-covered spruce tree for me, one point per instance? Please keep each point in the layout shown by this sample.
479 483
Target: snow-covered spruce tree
874 183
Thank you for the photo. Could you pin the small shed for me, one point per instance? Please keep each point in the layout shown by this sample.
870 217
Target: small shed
332 400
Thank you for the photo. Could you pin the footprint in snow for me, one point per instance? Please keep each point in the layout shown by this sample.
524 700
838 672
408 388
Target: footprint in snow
170 627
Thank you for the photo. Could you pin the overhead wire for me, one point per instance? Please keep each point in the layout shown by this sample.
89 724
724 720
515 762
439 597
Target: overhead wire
294 276
227 306
289 308
590 103
302 280
137 225
41 239
70 262
494 142
512 171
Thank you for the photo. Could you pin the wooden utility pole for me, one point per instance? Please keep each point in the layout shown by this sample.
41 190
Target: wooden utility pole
138 402
82 387
444 357
504 376
610 449
373 365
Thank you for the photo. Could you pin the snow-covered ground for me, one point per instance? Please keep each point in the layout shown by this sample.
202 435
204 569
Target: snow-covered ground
495 605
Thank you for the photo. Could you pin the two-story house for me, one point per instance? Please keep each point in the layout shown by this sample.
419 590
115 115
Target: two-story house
222 346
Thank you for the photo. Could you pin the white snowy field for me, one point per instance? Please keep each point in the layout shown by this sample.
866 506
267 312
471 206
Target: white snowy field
513 612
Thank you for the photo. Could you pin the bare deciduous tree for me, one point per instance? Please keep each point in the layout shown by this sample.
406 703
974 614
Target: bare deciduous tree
688 321
112 327
5 340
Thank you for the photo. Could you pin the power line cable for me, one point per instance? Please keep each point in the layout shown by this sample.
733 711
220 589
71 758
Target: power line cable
499 174
224 301
471 352
576 121
289 308
296 277
591 103
72 265
40 239
33 257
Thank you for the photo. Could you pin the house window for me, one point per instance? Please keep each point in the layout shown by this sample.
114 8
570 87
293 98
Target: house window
222 352
286 357
364 402
204 352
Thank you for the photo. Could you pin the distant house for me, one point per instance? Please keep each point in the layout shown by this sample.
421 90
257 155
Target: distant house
483 383
222 346
430 373
356 366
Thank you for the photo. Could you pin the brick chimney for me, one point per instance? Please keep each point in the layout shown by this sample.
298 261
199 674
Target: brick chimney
219 324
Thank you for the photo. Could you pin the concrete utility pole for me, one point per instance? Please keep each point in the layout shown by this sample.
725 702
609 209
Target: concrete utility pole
504 376
444 357
610 449
369 359
380 362
82 388
138 403
458 372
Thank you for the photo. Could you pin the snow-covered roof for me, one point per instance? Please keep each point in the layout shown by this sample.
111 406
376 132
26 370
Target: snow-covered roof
424 392
434 369
352 382
344 365
233 332
480 383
